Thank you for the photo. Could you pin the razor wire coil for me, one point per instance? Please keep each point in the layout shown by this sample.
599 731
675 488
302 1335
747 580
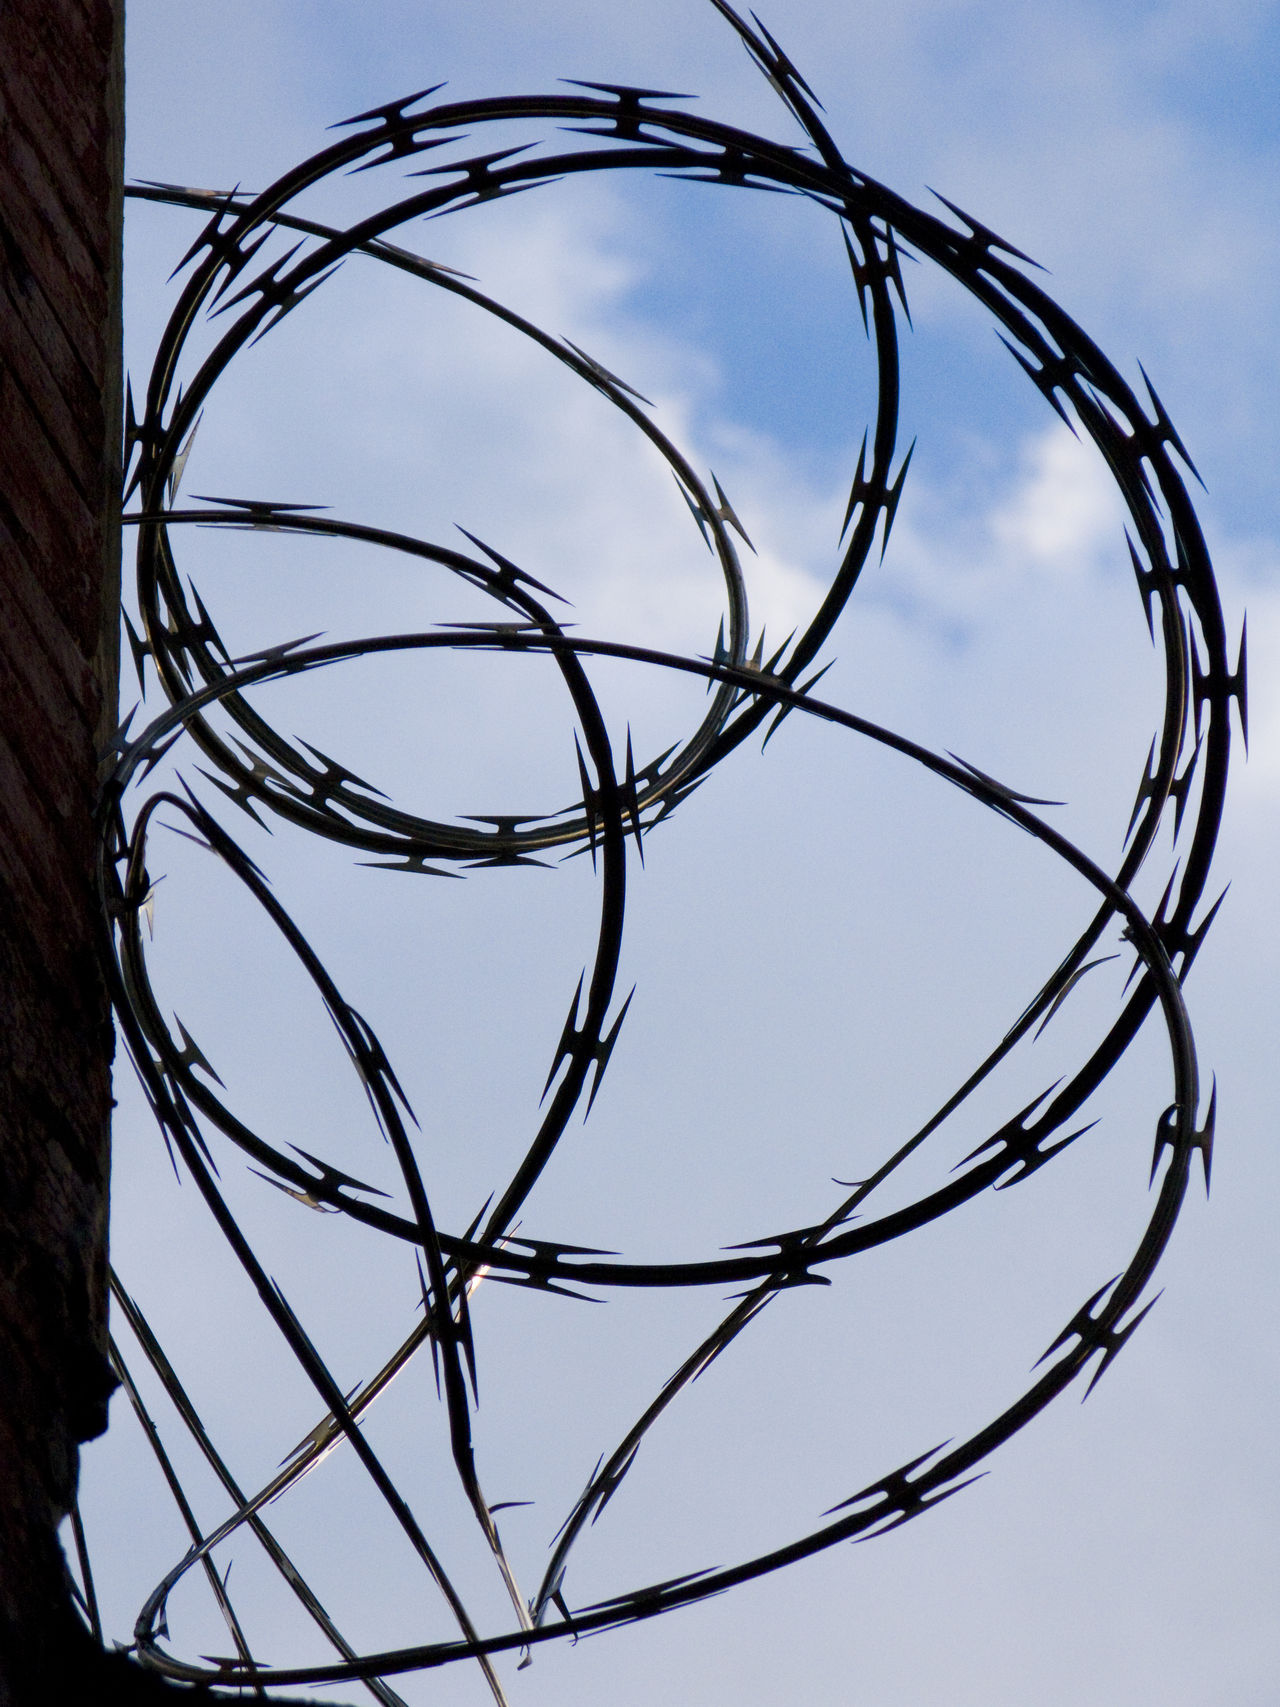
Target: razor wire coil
624 798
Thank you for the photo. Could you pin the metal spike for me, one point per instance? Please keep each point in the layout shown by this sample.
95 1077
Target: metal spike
719 656
180 461
630 803
696 511
893 497
476 170
604 1049
1070 985
627 95
601 372
982 239
783 68
1148 584
895 1486
1166 429
570 1036
860 492
1045 381
1081 1325
1146 790
786 710
1000 788
1116 1340
334 1179
590 799
139 649
191 1055
392 113
1239 683
726 514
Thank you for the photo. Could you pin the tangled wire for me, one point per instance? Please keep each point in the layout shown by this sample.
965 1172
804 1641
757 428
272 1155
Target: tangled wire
623 800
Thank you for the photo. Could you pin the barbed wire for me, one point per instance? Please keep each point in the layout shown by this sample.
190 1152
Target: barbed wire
622 802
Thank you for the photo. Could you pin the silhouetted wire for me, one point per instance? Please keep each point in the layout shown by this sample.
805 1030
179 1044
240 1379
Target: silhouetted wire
263 772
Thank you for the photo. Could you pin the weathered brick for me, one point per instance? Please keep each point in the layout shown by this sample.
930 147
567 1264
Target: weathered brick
60 136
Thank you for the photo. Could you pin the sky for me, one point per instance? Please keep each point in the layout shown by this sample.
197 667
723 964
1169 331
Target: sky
821 941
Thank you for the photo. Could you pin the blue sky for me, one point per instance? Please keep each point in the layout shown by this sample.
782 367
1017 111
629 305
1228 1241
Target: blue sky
813 927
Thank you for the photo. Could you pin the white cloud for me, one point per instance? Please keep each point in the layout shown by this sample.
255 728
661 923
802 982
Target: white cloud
1064 508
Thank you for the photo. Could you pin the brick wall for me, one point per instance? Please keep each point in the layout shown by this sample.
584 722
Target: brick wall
61 131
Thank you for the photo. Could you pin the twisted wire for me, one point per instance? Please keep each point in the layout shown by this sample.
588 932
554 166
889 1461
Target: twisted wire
622 802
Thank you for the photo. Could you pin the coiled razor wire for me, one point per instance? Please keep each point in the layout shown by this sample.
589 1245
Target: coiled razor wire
622 802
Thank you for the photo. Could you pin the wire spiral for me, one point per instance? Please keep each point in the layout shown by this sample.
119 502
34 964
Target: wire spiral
623 800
